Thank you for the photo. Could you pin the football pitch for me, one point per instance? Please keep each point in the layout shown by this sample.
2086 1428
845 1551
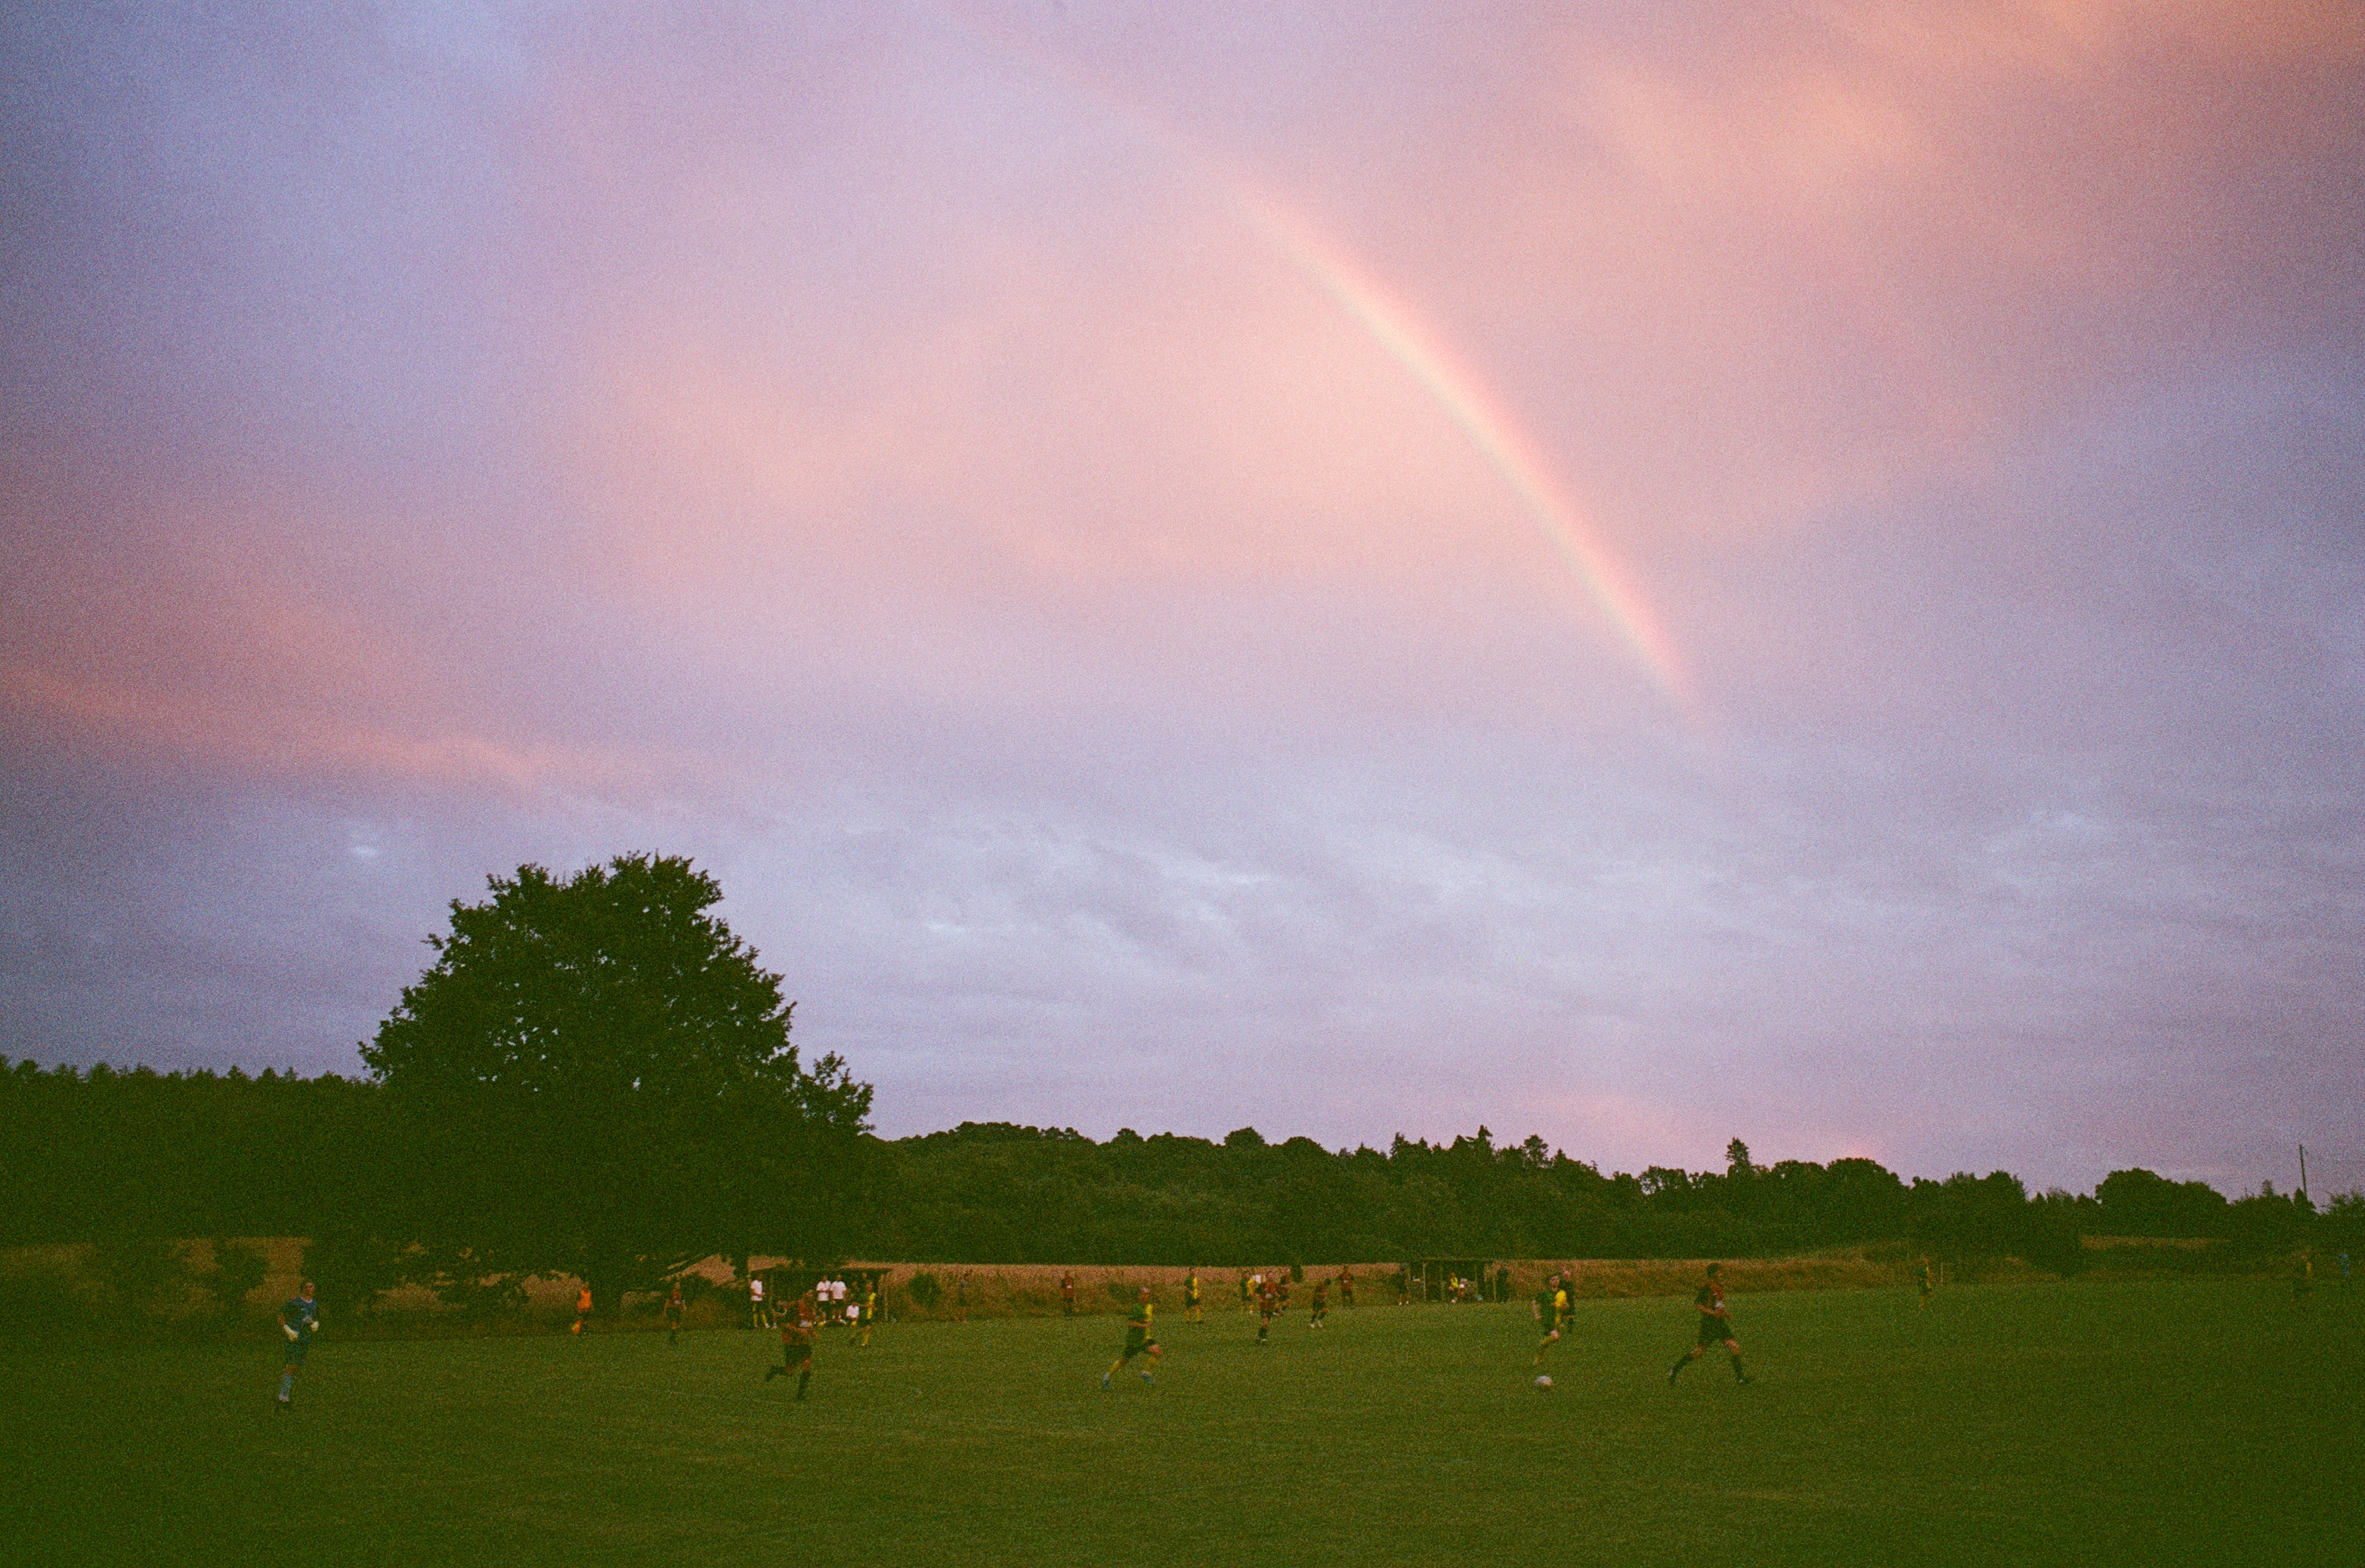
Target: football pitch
2195 1421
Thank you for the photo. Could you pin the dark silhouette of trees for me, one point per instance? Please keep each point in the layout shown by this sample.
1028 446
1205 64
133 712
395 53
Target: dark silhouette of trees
611 1092
594 1078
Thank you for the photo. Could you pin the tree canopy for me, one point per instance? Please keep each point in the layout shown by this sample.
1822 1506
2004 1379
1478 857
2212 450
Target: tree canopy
596 1077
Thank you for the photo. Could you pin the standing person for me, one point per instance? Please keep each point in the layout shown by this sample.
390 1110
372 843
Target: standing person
1347 1289
1715 1328
961 1299
796 1342
300 1320
673 1313
1136 1339
1191 1295
2303 1280
756 1301
1321 1303
1248 1294
582 1308
1929 1284
1068 1293
1268 1302
870 1309
1551 1307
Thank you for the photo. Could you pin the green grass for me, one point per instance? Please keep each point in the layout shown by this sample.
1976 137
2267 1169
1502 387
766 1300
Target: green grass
2186 1421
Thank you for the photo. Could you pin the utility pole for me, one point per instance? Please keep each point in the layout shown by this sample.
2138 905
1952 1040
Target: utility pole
2303 1171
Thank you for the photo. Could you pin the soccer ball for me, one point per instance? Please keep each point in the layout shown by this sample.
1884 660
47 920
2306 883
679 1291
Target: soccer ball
1544 1380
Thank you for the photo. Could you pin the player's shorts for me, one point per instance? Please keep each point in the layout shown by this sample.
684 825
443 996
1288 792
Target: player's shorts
1714 1330
1551 1335
296 1348
1135 1343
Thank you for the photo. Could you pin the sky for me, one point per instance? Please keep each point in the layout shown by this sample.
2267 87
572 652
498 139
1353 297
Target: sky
1639 572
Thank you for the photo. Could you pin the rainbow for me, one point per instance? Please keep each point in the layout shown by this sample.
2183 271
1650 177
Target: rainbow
1455 390
1465 399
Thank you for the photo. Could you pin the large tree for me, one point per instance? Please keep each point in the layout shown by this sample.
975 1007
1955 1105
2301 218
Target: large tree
594 1078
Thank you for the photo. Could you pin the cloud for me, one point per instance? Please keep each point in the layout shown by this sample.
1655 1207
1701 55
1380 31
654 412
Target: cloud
884 458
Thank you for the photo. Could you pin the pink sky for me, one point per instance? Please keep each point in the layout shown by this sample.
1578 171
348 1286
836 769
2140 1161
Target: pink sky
1640 573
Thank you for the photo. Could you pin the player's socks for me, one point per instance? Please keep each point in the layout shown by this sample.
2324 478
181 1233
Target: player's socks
286 1386
1738 1375
802 1378
1681 1362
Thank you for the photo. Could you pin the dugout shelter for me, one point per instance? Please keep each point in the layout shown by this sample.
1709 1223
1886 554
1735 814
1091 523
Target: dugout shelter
1432 1278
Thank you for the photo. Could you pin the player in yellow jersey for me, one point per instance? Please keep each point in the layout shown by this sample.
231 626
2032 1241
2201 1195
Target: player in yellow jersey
1191 1296
1551 1307
1929 1282
1137 1341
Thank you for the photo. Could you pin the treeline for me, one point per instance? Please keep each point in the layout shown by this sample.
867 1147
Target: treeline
110 1155
986 1193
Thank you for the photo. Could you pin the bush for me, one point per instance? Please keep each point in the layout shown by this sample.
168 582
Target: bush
143 1277
352 1269
481 1299
236 1269
925 1289
1119 1291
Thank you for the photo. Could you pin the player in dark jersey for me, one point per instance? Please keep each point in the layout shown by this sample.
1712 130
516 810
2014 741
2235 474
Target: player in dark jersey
1347 1288
1268 1301
673 1313
1321 1303
1068 1293
298 1319
1715 1329
1137 1341
1551 1308
796 1342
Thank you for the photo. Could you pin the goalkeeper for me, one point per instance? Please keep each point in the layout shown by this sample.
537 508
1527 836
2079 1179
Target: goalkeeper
300 1320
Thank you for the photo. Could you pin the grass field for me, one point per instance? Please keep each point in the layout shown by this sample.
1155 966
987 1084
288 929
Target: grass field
2187 1421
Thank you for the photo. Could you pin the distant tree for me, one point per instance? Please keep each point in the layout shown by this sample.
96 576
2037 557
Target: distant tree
2140 1203
594 1078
